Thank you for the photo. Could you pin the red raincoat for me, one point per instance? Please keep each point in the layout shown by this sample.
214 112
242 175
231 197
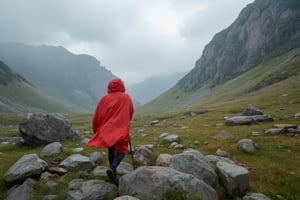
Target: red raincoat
111 122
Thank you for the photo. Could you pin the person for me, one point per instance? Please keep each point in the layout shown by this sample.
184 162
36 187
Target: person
111 125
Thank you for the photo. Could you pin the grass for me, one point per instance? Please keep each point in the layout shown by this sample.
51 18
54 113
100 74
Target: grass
274 168
24 93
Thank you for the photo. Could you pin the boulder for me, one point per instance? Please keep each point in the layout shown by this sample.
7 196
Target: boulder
255 196
97 158
247 120
235 179
91 190
43 129
152 182
247 145
77 161
163 160
252 110
274 131
171 138
194 163
29 165
51 149
23 191
143 155
126 197
213 159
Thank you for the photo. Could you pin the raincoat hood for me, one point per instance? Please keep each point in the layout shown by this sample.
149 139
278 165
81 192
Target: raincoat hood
115 85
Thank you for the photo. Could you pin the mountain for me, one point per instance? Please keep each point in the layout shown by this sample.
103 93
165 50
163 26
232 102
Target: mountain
154 86
76 80
17 95
264 30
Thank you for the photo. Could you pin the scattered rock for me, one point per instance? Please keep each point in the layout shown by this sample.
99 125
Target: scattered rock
274 131
97 158
222 153
126 197
256 133
143 155
77 161
171 138
125 168
297 115
100 171
51 149
49 197
193 162
234 178
163 160
247 145
91 190
77 150
29 165
213 159
255 196
163 135
155 123
22 192
252 110
286 126
57 170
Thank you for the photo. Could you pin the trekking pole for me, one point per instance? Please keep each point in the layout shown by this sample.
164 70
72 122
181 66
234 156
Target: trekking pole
131 153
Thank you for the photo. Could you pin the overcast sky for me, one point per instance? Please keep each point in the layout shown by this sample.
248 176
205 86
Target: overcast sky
134 39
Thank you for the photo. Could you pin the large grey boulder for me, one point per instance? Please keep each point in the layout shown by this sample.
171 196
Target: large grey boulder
235 179
21 192
91 190
43 129
152 182
193 162
29 165
77 161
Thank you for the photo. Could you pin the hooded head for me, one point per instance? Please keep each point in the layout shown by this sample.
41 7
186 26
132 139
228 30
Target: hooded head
115 85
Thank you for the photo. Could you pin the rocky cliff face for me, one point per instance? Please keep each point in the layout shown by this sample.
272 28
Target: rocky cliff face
264 29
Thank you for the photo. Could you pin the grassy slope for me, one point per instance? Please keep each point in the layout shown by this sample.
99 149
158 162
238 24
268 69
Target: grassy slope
28 95
177 99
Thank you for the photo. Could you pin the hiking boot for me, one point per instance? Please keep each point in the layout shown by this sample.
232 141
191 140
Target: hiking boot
112 175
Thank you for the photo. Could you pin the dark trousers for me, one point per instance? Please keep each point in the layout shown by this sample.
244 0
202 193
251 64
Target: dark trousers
114 159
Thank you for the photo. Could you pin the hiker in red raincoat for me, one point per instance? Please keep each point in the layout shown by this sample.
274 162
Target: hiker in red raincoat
111 125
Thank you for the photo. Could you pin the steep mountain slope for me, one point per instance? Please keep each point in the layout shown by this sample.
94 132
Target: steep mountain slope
17 95
154 86
265 31
77 80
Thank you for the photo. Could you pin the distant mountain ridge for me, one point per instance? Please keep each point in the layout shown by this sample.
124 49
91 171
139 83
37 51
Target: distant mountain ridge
17 95
77 80
265 28
152 87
